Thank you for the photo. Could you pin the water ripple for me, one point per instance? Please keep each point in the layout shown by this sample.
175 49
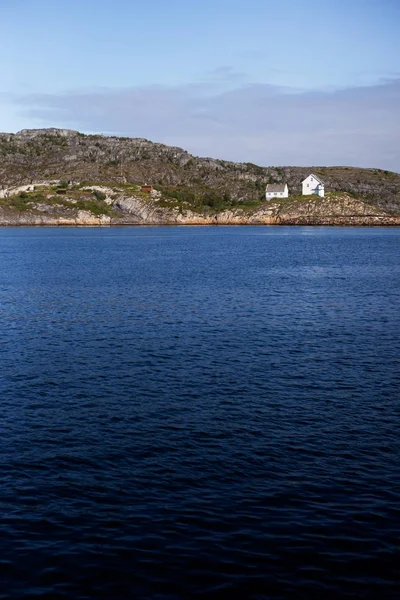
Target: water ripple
199 412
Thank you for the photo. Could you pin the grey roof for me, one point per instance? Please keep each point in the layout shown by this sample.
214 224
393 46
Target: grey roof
315 177
275 187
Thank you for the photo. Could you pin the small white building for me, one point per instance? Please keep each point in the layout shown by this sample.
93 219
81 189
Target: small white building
276 191
313 185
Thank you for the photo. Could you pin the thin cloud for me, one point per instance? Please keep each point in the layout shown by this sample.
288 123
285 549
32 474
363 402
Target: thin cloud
260 123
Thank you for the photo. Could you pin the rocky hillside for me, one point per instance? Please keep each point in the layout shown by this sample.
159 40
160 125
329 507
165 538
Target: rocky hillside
184 185
60 203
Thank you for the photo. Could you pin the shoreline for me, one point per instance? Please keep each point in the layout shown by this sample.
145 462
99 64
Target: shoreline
122 225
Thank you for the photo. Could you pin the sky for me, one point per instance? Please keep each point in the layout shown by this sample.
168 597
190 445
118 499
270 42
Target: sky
283 82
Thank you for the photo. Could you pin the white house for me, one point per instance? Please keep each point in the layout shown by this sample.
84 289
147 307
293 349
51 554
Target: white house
313 185
276 191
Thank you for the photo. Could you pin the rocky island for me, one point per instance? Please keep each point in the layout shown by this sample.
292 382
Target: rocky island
63 177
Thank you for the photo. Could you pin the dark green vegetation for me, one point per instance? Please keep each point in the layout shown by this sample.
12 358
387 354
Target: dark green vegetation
185 181
203 199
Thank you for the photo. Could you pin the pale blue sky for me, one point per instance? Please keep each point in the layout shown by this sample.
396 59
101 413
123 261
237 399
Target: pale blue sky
77 63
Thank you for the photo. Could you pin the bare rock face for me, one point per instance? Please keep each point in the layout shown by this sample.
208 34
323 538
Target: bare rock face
340 210
141 212
81 218
33 133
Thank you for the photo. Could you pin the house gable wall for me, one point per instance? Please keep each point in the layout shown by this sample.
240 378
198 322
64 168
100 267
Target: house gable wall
312 185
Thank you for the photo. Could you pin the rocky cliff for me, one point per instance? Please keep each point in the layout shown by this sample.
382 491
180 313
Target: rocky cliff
53 176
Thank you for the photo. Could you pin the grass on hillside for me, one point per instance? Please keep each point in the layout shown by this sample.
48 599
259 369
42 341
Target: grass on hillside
203 200
75 200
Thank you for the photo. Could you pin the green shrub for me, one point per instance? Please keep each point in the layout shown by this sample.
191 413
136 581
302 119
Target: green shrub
99 195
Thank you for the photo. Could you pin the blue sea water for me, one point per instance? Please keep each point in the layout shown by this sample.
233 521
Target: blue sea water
199 412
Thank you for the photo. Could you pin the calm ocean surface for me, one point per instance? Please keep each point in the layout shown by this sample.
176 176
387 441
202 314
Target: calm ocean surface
199 412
